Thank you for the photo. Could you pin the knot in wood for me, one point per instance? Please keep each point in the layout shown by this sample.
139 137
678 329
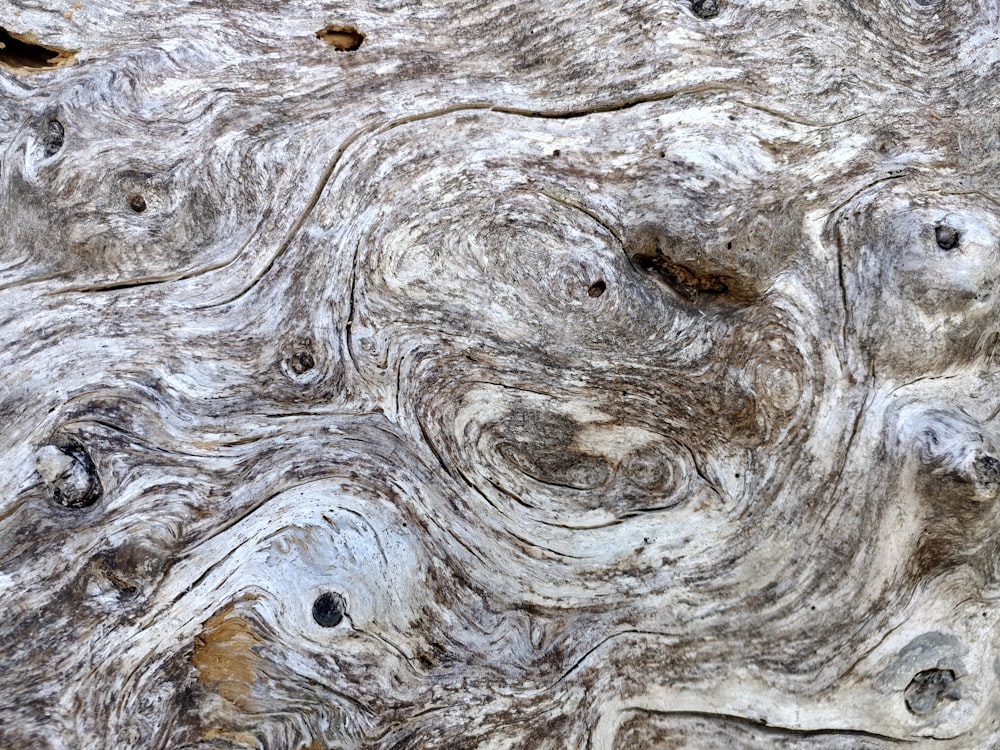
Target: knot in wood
705 8
328 609
928 689
69 474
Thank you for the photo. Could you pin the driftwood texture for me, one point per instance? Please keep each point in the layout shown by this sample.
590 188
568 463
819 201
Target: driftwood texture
470 373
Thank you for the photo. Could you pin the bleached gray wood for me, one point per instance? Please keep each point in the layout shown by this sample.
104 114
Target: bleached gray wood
504 375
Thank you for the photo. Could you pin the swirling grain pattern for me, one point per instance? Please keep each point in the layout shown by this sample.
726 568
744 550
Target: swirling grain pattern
466 374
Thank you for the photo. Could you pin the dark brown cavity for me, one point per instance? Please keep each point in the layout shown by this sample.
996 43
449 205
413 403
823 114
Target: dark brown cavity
21 52
597 288
137 203
687 282
301 362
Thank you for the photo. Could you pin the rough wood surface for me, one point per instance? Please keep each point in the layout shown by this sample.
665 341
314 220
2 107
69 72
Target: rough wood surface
472 373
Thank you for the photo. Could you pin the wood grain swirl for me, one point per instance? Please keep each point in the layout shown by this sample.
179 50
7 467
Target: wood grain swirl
475 374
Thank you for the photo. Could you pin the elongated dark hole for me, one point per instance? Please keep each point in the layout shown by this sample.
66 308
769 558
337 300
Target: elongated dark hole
17 53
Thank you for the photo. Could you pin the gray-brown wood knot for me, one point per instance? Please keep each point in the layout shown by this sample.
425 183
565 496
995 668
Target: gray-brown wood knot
130 569
705 8
301 362
955 451
69 474
917 267
987 473
929 689
52 138
541 445
299 365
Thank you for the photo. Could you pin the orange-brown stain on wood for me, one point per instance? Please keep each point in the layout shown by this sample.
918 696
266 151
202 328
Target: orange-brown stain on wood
340 37
224 655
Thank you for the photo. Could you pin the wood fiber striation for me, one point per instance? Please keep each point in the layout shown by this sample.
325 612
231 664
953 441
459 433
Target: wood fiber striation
474 374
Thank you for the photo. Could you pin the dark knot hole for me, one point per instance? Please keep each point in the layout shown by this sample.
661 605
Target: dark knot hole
137 203
946 237
328 609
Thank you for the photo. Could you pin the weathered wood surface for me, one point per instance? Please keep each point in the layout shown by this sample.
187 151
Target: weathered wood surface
531 375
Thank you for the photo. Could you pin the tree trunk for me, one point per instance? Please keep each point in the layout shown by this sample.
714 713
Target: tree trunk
476 374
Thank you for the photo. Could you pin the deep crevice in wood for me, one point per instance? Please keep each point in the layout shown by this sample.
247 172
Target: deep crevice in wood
22 52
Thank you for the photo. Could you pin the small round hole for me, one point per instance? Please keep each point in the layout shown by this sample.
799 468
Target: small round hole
946 237
137 203
597 288
328 609
557 152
